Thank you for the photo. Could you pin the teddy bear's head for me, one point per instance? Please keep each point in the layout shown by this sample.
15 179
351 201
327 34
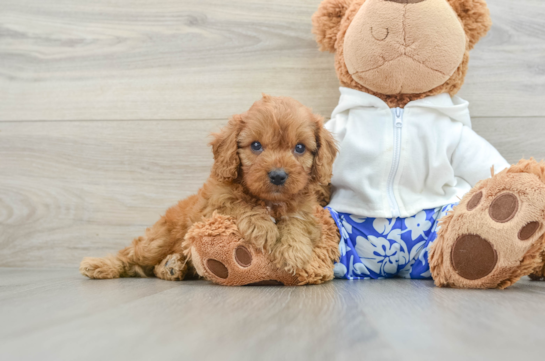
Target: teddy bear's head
401 50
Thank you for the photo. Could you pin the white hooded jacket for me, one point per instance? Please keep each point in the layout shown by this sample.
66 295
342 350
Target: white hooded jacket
397 162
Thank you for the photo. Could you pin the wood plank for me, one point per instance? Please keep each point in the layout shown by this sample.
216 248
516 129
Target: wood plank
208 59
170 59
64 295
430 323
65 316
191 320
69 189
86 188
515 138
506 75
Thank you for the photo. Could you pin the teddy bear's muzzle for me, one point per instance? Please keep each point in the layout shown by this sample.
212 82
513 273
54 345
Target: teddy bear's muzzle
408 46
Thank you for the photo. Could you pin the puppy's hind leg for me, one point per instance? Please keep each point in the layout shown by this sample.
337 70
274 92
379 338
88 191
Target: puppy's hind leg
137 260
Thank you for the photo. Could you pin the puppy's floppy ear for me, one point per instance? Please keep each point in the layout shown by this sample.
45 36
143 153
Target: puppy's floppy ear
326 22
326 151
225 148
475 17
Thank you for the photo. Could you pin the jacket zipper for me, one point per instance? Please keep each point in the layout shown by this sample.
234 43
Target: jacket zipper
398 127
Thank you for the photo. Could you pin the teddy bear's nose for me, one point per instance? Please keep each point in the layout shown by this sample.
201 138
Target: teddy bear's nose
406 1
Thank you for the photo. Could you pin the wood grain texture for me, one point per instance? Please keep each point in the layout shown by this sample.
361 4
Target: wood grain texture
208 59
68 189
59 315
87 188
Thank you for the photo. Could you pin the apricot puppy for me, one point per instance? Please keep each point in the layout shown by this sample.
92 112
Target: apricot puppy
270 164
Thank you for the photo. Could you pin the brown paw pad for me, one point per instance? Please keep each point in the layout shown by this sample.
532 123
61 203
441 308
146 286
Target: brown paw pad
528 231
217 268
475 201
504 208
473 257
243 256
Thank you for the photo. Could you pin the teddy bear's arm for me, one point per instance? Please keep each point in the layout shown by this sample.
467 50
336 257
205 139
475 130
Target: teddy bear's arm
474 157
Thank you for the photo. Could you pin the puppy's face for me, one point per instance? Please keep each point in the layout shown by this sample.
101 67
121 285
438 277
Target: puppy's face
281 147
276 148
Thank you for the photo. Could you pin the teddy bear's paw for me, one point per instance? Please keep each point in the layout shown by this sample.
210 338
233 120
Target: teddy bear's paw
494 236
220 254
239 265
223 257
172 268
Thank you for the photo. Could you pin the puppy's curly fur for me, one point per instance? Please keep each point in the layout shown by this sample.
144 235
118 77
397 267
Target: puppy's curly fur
278 219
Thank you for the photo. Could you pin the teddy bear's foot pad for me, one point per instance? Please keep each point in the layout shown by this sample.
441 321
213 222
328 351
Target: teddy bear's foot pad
219 254
242 256
244 259
473 257
242 267
494 236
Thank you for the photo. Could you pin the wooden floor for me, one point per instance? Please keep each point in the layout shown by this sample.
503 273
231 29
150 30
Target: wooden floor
59 315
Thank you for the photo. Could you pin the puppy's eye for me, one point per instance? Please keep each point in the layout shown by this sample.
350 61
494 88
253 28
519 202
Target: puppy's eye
300 149
256 147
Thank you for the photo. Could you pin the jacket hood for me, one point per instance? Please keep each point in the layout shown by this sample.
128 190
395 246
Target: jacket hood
453 107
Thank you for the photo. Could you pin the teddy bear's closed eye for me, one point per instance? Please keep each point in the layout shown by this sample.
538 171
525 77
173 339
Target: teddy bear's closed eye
380 34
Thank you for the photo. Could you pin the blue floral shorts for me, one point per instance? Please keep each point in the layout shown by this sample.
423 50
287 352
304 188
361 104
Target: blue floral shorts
375 248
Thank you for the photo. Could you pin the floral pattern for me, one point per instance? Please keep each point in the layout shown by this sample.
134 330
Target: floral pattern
374 248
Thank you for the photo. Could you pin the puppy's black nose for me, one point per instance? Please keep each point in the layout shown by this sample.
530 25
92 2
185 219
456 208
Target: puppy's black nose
278 177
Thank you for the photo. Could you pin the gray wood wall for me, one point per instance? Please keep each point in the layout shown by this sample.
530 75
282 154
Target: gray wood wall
106 105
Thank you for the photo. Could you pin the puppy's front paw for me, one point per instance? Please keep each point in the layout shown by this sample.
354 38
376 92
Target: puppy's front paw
259 231
292 254
172 268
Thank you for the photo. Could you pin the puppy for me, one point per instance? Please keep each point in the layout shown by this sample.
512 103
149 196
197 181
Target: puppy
270 165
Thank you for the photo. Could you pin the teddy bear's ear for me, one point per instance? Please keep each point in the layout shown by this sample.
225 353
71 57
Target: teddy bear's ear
475 16
326 21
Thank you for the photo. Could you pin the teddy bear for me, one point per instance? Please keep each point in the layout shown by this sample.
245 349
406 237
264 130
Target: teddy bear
416 193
